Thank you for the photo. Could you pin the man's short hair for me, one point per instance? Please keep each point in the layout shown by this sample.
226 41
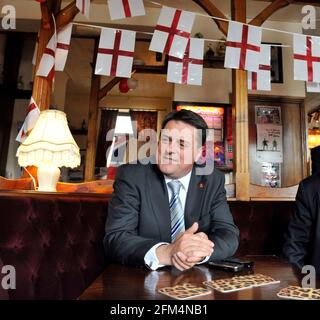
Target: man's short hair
190 118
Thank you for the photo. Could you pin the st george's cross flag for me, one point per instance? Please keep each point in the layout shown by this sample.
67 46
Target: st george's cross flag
187 70
63 46
261 80
172 32
120 9
313 87
242 46
115 53
47 63
84 7
306 54
32 116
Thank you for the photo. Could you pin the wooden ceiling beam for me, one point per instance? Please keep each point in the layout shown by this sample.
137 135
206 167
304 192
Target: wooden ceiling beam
45 15
212 10
42 87
269 11
105 89
66 15
301 2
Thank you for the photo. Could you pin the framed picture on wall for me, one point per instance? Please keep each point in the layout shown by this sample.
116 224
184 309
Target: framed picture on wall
218 117
276 63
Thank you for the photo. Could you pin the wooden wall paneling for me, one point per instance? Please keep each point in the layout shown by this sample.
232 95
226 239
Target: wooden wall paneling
293 168
292 172
304 140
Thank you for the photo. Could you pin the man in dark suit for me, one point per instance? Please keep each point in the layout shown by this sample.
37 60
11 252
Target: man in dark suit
302 240
315 159
169 212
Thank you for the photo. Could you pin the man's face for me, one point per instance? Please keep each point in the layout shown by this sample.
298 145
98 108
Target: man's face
178 149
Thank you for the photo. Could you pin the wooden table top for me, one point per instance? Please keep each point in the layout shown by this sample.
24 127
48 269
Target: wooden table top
120 282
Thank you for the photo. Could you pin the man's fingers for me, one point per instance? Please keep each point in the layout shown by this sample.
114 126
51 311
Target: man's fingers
195 259
194 239
201 240
189 231
195 251
178 264
180 259
193 229
199 243
202 235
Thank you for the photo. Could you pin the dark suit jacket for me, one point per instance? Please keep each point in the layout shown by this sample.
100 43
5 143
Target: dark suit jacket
139 215
302 240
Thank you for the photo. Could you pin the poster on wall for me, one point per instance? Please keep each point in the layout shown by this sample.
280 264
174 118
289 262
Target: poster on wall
271 175
268 115
269 143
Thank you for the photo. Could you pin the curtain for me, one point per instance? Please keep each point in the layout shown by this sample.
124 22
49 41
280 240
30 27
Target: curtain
108 122
144 120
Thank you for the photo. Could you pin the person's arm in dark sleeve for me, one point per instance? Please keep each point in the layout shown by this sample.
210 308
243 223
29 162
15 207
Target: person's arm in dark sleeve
297 237
122 242
224 233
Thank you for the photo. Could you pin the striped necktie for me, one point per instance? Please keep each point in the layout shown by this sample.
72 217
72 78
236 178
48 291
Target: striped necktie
176 210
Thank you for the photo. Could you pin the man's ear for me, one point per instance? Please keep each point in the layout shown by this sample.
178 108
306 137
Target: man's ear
199 152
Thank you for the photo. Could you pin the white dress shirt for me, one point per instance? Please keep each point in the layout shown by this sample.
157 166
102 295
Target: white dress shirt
150 258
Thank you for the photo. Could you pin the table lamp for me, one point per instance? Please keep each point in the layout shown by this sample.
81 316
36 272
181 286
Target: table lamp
49 146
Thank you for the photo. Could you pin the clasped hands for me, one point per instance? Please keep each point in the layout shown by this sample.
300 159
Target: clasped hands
187 250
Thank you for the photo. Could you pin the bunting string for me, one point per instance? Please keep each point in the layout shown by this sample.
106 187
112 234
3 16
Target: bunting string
229 20
91 26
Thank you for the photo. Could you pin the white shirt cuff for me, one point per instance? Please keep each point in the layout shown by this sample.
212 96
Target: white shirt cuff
204 260
151 259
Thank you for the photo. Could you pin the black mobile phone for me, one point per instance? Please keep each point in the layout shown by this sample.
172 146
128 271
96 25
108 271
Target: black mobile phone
247 264
225 265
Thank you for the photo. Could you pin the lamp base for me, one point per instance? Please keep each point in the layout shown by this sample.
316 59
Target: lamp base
48 177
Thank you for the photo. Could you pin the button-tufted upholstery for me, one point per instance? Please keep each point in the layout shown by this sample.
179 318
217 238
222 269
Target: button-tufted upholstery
53 241
262 226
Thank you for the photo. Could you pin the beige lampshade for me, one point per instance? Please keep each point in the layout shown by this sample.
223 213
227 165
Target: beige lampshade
50 142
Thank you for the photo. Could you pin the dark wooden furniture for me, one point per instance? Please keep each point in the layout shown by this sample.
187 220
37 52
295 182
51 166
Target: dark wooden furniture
104 186
16 184
121 283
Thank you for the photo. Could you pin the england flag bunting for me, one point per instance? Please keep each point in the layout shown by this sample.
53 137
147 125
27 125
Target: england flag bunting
261 80
306 54
84 7
313 87
120 9
115 53
47 63
172 32
242 46
32 116
187 70
63 46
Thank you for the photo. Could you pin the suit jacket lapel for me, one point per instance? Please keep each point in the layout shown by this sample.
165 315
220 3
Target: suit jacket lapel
159 201
194 198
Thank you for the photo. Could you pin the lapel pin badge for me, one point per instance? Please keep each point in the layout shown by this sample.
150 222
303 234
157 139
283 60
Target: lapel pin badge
201 185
